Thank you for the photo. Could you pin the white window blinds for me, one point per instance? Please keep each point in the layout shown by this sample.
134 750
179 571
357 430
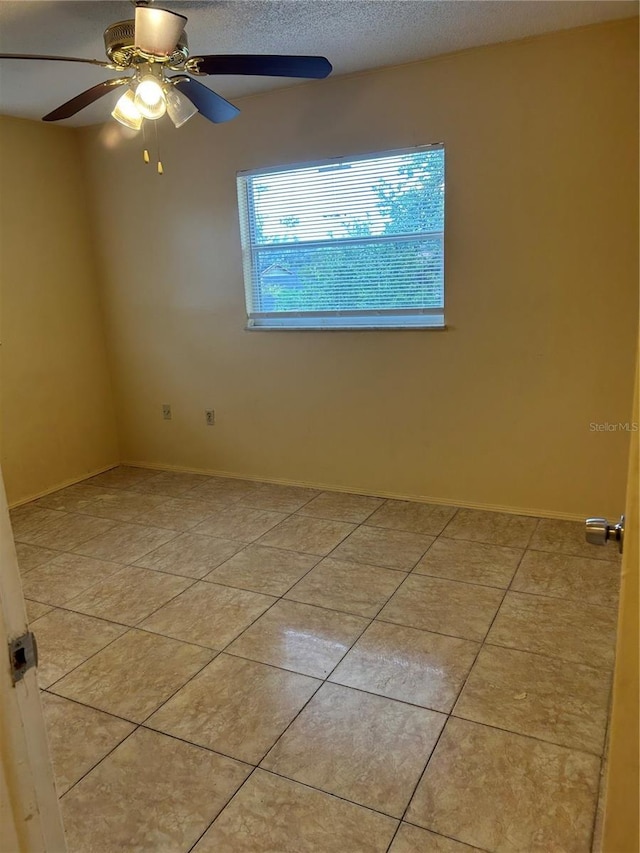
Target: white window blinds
346 243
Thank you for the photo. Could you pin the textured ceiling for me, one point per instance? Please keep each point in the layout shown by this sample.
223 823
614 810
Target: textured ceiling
355 35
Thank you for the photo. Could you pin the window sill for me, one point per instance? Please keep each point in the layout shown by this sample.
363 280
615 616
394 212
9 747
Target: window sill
360 328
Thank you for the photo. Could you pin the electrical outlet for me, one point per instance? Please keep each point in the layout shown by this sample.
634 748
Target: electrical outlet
166 411
210 416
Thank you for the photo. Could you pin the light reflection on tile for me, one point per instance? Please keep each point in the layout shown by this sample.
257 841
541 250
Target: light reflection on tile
412 666
299 637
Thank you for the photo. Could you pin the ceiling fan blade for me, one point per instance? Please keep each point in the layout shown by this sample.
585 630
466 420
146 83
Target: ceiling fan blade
54 58
157 30
212 106
312 67
70 108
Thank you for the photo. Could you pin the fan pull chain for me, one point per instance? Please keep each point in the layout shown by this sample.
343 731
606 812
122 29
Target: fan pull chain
160 169
145 150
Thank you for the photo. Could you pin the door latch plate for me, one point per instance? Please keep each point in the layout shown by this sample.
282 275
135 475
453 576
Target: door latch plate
23 655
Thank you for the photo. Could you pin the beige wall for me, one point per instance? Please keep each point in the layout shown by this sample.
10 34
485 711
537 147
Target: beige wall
57 419
541 276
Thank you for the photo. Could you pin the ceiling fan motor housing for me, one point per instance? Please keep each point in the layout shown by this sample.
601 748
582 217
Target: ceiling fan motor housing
119 43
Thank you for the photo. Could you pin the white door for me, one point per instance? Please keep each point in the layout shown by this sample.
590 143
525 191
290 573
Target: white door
30 819
622 791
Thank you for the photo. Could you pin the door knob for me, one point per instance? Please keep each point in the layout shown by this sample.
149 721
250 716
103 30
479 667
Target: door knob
598 531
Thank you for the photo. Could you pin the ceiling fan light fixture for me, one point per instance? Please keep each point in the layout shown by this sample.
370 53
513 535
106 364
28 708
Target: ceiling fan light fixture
179 108
149 98
126 112
157 31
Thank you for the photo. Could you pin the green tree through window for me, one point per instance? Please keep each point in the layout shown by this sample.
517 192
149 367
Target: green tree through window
345 238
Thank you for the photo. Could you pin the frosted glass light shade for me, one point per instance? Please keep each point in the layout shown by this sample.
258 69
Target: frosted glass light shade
157 31
180 109
126 112
149 98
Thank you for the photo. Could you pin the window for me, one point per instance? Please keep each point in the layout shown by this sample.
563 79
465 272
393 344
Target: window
347 243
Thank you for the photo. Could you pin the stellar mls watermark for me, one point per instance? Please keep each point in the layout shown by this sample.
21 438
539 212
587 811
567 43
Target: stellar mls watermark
619 426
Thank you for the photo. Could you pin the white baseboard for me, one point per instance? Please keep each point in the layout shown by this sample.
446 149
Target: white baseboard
64 484
328 487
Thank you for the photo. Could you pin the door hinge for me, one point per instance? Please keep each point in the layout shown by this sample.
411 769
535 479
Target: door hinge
23 655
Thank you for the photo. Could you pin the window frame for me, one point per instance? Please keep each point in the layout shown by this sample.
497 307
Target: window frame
424 319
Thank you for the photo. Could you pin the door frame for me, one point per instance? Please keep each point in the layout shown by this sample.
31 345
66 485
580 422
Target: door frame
29 810
620 831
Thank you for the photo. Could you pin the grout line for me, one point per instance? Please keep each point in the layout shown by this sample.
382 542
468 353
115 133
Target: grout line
58 680
137 724
93 767
462 686
205 579
328 794
449 837
277 599
90 707
415 787
581 751
217 815
532 534
120 624
210 749
551 657
321 682
295 782
143 618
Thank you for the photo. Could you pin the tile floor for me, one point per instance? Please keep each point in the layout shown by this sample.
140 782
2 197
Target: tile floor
234 667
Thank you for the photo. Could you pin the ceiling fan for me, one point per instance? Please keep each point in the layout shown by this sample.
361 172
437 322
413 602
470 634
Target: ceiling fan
151 46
